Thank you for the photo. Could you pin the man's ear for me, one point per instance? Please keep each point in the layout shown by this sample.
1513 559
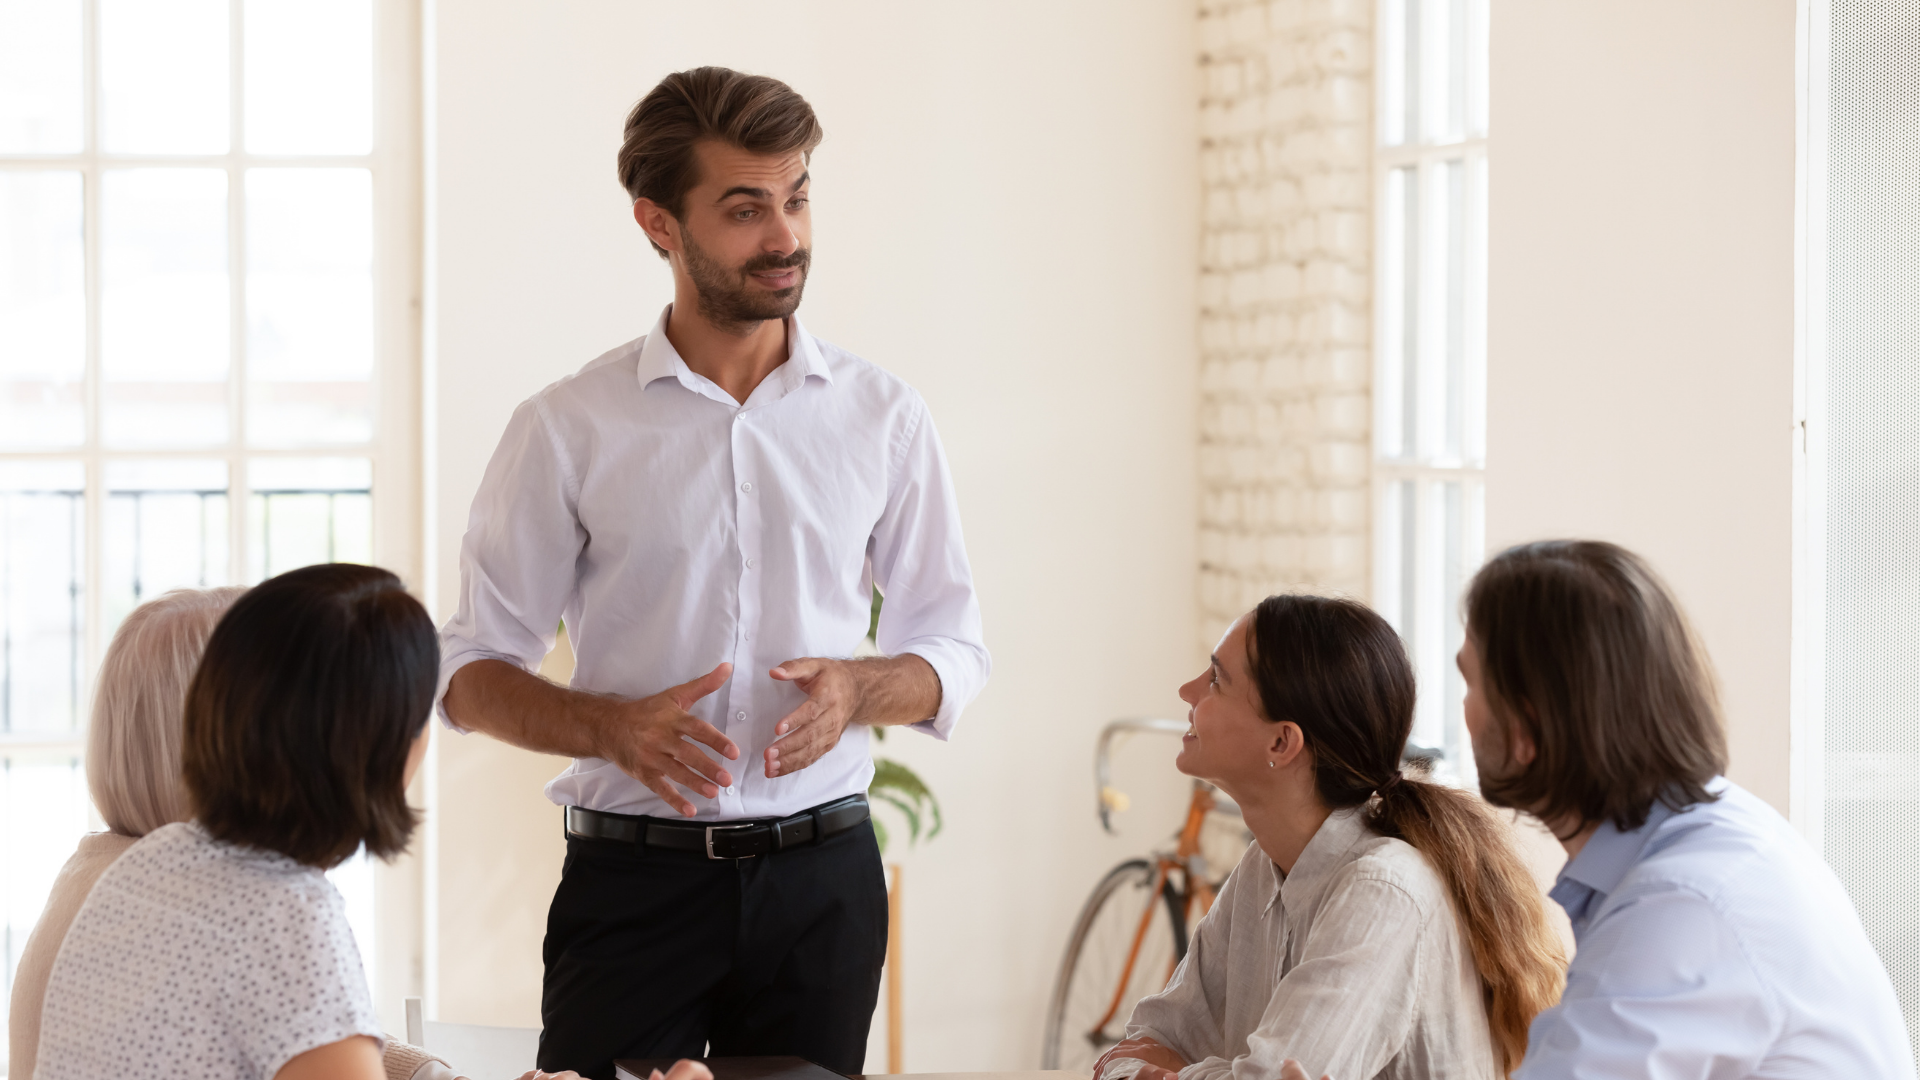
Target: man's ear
1521 749
658 223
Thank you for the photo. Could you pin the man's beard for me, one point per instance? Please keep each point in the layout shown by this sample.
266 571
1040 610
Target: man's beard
730 300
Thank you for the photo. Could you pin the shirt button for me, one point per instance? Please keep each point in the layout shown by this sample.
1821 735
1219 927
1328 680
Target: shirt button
747 487
749 564
741 715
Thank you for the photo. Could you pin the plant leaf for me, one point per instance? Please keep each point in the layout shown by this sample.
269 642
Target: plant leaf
907 811
899 786
879 833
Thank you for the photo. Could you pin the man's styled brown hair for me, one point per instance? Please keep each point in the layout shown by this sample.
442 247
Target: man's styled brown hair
298 723
1334 667
758 114
1582 646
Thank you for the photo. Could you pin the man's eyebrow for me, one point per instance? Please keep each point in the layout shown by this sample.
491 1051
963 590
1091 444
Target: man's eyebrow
760 192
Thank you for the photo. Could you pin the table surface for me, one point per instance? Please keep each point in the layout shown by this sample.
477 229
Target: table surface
1023 1074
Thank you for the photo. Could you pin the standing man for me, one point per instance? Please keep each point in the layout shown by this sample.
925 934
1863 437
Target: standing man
707 508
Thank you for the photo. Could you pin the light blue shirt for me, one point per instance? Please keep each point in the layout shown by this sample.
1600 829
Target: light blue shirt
1712 942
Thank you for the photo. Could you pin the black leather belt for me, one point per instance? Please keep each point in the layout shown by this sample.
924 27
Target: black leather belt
734 840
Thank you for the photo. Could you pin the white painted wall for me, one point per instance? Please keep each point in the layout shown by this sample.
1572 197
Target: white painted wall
1006 213
1640 366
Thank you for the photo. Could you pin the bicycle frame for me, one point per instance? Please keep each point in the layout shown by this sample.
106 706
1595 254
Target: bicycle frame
1197 890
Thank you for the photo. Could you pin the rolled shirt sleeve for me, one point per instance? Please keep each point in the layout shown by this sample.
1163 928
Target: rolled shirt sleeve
517 560
920 565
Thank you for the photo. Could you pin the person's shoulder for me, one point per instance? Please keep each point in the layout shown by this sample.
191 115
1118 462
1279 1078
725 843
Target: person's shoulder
1718 848
183 868
1394 866
606 374
864 377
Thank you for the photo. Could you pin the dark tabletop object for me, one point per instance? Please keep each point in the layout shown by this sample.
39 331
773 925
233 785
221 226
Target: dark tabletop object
732 1068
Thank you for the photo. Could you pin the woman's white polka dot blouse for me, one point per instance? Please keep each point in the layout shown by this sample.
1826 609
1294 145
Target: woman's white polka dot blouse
194 957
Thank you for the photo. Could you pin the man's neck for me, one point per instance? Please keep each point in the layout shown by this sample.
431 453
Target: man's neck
736 362
1578 840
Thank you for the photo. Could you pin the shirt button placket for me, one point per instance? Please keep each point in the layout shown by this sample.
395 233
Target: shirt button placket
747 529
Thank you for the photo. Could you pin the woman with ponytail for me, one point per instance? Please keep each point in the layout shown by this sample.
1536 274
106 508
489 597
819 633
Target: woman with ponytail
1380 925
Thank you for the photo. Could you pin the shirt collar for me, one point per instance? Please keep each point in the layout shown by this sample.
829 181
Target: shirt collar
660 360
1300 889
1609 853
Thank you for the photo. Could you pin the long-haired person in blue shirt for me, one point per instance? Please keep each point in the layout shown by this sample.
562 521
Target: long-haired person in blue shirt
1712 941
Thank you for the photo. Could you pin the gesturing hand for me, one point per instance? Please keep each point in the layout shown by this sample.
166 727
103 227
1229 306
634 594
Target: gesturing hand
648 739
808 732
1160 1058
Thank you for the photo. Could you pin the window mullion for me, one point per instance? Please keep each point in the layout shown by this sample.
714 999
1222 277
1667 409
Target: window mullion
238 502
94 498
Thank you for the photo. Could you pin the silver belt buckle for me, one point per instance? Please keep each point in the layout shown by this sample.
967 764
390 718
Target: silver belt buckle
711 829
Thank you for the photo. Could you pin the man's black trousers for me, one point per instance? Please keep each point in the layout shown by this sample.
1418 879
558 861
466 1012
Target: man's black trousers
652 953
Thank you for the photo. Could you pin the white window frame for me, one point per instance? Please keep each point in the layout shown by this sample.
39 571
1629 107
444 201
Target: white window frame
1806 759
395 164
1423 609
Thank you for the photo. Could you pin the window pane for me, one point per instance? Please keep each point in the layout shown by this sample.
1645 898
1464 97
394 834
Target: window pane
1453 201
40 83
1461 560
1446 90
44 810
1476 68
309 306
43 318
1400 338
164 307
163 76
166 528
42 562
309 77
302 511
1400 77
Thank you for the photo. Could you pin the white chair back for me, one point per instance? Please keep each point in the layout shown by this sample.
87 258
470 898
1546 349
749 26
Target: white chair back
475 1050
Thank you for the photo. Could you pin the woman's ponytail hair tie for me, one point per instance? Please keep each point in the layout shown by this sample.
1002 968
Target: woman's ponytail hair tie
1392 782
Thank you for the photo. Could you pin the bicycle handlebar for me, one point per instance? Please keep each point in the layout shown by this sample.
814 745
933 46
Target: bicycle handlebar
1108 798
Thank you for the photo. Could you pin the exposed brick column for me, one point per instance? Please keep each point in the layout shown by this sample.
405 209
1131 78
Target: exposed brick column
1286 135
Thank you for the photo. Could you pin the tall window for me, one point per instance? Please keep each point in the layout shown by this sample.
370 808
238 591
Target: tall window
1856 748
205 316
1430 339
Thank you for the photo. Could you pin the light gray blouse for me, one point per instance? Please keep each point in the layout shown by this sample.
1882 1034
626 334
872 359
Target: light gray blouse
1353 964
194 957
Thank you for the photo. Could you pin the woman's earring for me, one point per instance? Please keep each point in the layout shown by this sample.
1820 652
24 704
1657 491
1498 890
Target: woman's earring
1269 764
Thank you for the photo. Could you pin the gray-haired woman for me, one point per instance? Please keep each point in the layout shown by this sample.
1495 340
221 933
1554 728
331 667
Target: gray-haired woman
133 773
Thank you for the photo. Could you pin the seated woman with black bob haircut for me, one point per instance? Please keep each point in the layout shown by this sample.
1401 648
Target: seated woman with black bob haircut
1380 925
216 947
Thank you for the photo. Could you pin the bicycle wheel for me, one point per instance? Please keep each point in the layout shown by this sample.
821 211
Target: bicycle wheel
1083 1019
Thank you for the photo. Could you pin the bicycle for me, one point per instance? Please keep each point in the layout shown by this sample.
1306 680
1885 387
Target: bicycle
1132 931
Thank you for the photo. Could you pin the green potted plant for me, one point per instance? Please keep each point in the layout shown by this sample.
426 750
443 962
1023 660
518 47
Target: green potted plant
894 784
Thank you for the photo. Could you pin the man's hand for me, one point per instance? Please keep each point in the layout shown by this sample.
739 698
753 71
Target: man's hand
1293 1070
1160 1059
880 690
648 739
804 735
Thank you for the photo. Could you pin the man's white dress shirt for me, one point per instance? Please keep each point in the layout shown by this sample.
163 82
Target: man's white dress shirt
1353 964
674 528
1714 944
